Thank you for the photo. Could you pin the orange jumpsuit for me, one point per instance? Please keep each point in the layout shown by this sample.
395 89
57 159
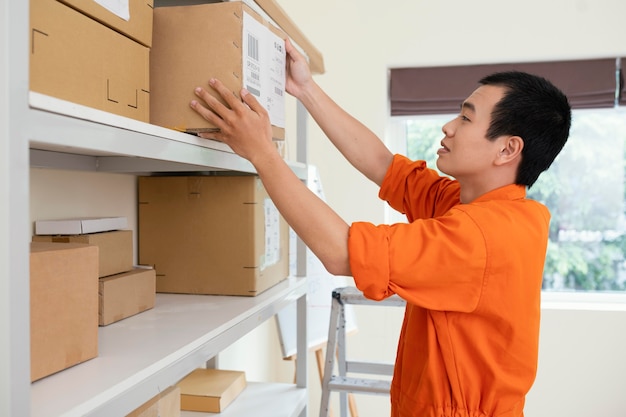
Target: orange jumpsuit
471 275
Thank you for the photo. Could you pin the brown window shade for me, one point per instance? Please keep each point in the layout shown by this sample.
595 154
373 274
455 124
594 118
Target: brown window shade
440 90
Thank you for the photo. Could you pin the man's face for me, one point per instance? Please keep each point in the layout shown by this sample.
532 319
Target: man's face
466 153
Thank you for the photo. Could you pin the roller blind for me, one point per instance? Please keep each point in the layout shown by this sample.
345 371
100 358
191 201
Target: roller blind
440 90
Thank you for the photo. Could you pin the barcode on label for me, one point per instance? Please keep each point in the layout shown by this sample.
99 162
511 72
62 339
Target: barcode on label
253 47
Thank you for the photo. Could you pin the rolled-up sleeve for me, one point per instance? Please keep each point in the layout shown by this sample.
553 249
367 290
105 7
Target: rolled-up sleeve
412 188
439 264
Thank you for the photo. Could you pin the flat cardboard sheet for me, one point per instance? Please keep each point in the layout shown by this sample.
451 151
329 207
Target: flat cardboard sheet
210 390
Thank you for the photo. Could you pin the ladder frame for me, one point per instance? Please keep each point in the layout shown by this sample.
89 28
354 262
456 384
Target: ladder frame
336 345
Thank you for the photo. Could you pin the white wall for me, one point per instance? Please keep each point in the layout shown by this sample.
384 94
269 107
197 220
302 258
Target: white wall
582 364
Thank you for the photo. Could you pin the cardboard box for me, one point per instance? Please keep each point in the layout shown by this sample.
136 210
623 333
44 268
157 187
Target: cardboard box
126 294
132 18
211 234
210 390
165 404
228 41
80 226
76 58
63 306
116 249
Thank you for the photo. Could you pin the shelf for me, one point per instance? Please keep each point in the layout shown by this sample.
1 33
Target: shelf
67 135
144 354
263 400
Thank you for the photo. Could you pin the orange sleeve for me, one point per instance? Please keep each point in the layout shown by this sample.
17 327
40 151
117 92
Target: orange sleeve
417 191
421 261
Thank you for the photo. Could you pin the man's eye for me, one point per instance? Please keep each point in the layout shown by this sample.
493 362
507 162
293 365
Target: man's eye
464 118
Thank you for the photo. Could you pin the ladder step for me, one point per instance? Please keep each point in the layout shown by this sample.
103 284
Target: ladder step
368 386
369 368
352 295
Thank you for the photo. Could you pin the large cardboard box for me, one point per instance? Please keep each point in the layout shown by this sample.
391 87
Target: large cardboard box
132 18
126 294
165 404
211 234
210 390
78 59
116 248
228 41
63 306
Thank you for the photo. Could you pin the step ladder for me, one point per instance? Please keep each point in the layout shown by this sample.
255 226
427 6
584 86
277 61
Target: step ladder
336 346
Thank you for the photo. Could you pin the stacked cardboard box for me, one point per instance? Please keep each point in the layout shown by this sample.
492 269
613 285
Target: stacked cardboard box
126 294
97 57
228 41
123 289
116 246
211 234
63 306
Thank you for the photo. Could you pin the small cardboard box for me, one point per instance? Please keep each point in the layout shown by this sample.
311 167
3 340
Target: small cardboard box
228 41
210 390
132 18
116 248
126 294
217 235
63 306
165 404
78 59
79 226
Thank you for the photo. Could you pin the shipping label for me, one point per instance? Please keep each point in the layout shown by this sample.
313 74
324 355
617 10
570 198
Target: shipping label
120 8
264 62
272 234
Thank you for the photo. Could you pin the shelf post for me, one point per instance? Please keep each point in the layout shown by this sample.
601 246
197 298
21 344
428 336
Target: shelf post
14 209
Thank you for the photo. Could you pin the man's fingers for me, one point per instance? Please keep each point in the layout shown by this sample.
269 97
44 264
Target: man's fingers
225 93
253 103
208 114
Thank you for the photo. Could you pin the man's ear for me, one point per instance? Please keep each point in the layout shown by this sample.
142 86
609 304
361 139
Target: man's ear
510 150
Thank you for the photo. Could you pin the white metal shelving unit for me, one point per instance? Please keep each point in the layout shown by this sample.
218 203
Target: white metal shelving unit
142 355
183 331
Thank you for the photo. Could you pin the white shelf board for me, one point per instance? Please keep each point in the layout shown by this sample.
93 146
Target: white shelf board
121 144
263 400
142 355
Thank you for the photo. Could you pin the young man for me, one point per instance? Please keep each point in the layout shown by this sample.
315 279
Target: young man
469 262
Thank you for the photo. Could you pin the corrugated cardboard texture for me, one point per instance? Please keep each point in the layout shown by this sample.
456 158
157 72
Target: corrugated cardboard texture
138 27
165 404
206 235
75 58
116 248
124 295
190 45
63 306
210 390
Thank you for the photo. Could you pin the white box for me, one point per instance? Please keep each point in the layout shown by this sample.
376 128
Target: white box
80 226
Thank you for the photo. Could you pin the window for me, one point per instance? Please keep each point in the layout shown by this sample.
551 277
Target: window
585 190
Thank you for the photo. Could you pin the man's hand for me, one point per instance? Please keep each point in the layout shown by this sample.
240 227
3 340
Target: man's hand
243 125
